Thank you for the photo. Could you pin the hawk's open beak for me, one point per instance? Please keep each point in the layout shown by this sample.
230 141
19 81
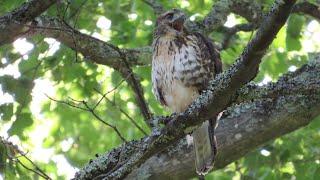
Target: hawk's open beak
178 22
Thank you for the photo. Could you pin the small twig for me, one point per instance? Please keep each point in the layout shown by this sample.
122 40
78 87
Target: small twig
91 110
41 27
238 169
73 39
104 95
104 122
67 103
65 11
122 111
38 170
230 32
136 86
78 9
158 9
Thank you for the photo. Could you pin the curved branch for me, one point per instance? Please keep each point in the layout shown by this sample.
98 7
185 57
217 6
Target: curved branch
213 101
102 54
264 119
98 51
307 8
293 83
158 9
243 128
251 10
23 14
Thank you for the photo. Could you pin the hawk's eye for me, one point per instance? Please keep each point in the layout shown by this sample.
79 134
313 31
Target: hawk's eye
169 16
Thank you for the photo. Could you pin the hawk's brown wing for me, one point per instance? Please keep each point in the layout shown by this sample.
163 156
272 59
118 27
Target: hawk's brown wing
205 144
209 52
202 63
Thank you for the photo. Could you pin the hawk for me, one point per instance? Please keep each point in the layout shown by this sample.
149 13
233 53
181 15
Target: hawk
183 62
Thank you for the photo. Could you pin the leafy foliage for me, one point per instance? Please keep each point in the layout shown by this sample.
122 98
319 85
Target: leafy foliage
56 129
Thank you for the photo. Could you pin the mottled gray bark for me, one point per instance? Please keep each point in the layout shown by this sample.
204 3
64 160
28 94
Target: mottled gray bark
13 26
246 126
215 99
10 27
264 118
242 128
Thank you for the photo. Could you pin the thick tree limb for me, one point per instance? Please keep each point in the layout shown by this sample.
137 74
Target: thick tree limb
243 127
246 126
251 10
307 8
97 51
223 89
10 29
213 101
293 83
230 32
102 54
24 14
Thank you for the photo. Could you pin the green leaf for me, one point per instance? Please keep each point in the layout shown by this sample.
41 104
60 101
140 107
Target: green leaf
316 172
295 25
293 44
23 121
6 111
294 29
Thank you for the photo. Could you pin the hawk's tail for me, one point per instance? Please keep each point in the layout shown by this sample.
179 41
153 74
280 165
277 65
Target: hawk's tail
205 146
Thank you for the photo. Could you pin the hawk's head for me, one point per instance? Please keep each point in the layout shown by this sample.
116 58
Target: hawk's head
170 23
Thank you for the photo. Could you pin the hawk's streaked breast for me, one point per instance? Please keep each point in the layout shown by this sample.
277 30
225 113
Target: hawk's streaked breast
179 71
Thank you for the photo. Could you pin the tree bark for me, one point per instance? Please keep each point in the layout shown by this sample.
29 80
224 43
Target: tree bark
241 129
10 24
275 109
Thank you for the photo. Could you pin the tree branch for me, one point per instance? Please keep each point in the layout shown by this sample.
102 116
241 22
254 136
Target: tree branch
243 127
158 9
102 54
215 99
251 10
230 32
307 8
293 83
92 111
23 14
14 154
99 52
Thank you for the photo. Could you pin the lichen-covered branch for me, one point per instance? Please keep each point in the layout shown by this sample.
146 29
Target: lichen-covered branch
230 32
9 30
243 128
307 8
102 54
96 50
217 98
264 119
223 92
249 9
300 82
